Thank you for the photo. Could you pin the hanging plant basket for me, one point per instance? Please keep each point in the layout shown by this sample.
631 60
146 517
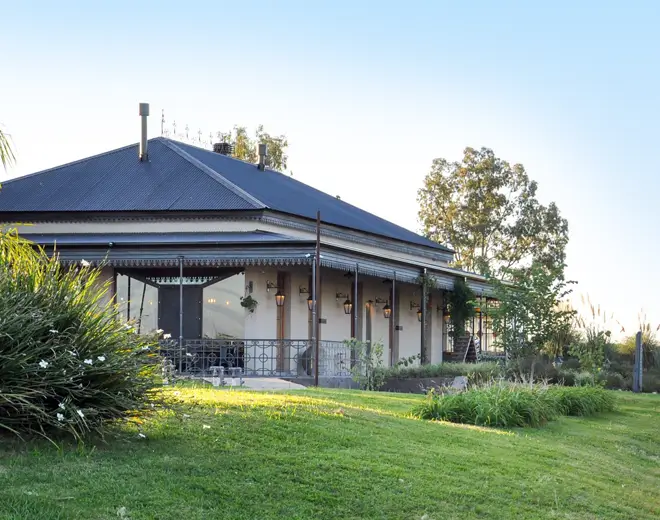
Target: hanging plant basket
249 303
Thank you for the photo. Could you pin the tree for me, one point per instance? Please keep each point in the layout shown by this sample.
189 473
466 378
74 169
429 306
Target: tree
487 211
530 311
245 148
6 153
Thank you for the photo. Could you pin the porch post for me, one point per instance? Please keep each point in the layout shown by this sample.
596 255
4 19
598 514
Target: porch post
317 284
355 303
314 320
128 301
423 328
394 354
180 314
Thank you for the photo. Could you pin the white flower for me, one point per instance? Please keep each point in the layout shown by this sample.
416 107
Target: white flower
101 358
145 348
84 263
72 352
53 331
81 413
186 416
60 417
43 364
167 336
142 436
160 331
88 361
61 406
206 427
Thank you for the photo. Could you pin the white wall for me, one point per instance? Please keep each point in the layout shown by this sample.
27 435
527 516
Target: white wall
437 328
410 336
337 326
262 323
375 288
298 310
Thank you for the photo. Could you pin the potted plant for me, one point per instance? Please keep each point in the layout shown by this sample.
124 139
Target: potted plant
249 303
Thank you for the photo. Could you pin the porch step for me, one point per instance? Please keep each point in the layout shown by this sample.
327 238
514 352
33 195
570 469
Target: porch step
465 350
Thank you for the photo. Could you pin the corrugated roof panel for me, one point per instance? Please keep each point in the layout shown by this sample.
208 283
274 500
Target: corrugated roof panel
284 193
118 181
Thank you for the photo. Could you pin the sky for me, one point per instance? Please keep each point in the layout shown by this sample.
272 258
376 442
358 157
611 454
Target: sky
368 93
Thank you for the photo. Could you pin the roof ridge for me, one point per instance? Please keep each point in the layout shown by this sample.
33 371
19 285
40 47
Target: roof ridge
213 174
71 163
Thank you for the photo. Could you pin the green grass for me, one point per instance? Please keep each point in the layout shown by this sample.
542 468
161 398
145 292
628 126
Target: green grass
322 454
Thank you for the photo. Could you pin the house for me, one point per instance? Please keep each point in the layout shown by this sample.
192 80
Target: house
220 254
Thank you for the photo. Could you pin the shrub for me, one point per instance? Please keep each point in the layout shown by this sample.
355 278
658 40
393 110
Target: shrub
582 401
476 373
67 364
513 405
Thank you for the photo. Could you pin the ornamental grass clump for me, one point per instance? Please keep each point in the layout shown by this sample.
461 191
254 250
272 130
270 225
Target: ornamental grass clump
583 400
67 363
510 405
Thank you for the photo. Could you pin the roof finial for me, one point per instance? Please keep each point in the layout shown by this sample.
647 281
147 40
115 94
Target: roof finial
162 122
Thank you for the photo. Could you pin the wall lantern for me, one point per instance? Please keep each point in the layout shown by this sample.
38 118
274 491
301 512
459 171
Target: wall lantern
310 303
387 311
477 310
348 306
279 298
446 316
419 315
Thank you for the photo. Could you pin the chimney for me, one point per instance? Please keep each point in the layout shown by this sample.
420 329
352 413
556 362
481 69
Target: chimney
144 112
262 150
223 148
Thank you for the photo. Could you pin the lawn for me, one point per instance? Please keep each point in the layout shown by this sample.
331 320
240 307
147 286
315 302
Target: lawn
321 454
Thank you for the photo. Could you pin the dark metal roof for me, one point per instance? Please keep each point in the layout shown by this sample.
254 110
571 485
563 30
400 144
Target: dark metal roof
182 177
118 181
152 239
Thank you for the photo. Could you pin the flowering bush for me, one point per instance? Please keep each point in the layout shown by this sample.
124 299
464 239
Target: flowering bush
67 363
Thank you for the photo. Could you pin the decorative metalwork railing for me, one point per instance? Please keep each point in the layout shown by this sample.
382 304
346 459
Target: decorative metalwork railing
287 358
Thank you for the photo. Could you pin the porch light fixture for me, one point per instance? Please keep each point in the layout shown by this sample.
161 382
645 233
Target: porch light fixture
446 315
477 310
419 315
387 311
310 303
279 298
348 306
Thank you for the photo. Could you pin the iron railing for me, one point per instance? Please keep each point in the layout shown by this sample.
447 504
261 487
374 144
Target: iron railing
285 358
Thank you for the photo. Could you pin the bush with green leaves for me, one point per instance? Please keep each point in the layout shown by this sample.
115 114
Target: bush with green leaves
67 363
509 405
367 363
476 373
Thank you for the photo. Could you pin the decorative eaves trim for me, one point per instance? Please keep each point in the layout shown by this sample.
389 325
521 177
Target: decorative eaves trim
256 203
350 237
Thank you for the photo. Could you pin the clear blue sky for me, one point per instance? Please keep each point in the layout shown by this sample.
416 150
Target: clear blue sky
368 94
